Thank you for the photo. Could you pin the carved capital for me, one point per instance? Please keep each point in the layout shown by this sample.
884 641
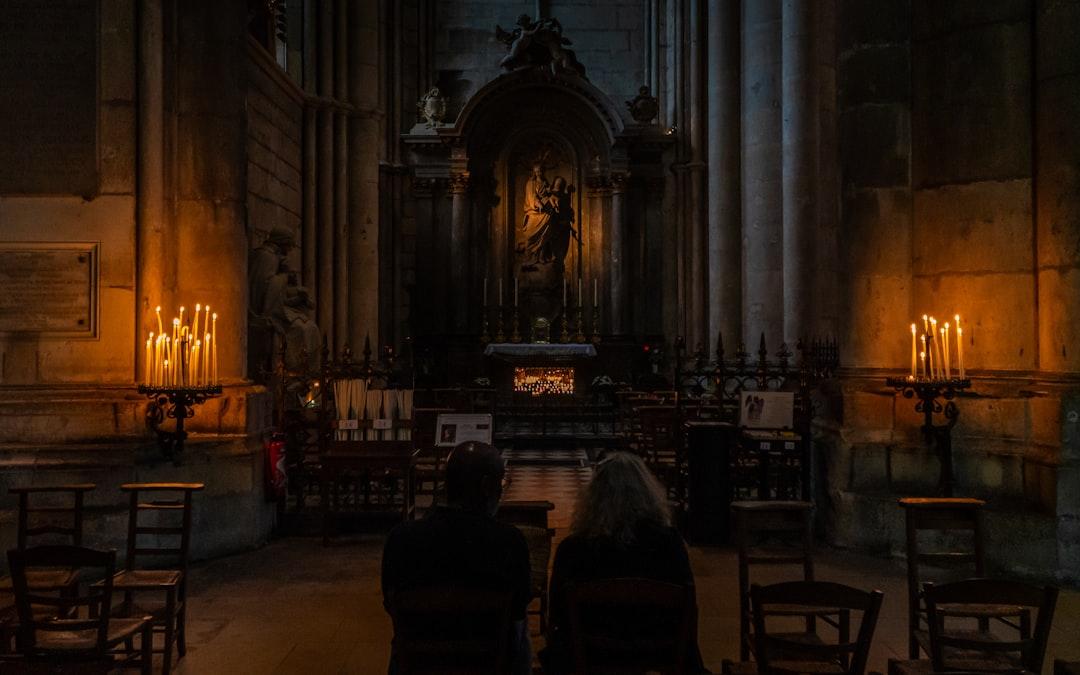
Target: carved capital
459 183
598 184
426 187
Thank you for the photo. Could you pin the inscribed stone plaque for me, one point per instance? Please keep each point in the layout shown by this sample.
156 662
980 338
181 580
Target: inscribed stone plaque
48 96
48 289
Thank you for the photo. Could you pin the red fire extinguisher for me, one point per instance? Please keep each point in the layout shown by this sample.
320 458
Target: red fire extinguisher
276 475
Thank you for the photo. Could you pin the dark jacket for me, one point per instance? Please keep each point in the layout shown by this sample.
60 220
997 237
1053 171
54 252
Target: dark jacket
657 553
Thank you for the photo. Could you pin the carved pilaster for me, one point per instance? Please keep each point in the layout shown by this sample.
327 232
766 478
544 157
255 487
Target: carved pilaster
459 183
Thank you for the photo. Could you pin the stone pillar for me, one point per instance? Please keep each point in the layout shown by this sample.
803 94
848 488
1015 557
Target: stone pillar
325 178
363 173
697 281
763 296
827 277
309 236
599 200
618 277
459 253
1057 184
799 167
156 271
724 218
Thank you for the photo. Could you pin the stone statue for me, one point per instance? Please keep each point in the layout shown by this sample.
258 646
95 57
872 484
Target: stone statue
644 107
278 304
432 108
538 44
548 222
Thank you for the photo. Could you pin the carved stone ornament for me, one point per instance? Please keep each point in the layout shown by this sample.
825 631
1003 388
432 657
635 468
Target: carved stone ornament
432 108
644 107
538 44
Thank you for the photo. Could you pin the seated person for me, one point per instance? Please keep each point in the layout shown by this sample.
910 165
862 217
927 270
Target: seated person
621 529
462 545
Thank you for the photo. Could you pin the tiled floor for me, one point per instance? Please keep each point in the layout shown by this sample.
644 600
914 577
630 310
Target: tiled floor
297 607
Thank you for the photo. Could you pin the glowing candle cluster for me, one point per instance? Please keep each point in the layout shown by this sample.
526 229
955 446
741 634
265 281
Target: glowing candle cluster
932 350
187 356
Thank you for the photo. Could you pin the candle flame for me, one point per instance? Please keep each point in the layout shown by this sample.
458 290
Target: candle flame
912 329
215 316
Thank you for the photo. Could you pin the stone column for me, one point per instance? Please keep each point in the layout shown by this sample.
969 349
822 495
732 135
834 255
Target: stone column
341 177
459 253
697 281
763 297
1057 184
799 167
363 173
827 277
309 236
325 178
617 274
156 271
599 199
724 219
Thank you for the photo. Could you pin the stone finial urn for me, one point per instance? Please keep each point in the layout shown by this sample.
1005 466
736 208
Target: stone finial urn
432 107
644 107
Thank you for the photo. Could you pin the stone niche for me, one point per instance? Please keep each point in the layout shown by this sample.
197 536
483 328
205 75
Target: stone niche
524 128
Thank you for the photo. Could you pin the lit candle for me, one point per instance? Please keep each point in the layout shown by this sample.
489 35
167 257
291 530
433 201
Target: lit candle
182 317
914 351
960 350
206 360
166 369
948 361
149 358
157 311
922 338
195 324
925 325
922 355
194 365
214 335
485 291
935 348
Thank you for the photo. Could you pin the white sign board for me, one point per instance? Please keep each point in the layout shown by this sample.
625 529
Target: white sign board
453 429
766 409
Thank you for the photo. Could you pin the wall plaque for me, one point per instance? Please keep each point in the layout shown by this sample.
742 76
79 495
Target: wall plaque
49 290
48 96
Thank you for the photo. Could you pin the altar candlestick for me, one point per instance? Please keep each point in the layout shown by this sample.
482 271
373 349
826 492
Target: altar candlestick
500 293
564 292
579 291
485 291
595 294
214 335
515 292
914 351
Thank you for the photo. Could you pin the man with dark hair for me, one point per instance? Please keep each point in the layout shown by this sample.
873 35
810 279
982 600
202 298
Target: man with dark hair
462 545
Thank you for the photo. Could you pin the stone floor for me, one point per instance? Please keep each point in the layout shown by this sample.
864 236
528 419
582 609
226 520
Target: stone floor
297 607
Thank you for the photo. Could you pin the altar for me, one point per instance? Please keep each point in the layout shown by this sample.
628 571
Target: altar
539 369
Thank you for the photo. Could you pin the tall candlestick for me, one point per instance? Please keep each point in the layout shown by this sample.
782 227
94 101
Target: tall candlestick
500 293
595 294
564 292
913 352
579 291
485 291
515 292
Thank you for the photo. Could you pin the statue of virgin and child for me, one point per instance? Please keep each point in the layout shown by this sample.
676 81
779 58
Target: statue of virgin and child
548 225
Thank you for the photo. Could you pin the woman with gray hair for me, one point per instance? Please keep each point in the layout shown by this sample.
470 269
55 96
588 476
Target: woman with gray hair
621 529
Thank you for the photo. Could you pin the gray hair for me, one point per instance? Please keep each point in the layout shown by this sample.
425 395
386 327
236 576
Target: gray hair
622 493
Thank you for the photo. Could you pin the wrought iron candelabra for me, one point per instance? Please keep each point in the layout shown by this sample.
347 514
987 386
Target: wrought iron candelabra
935 397
177 403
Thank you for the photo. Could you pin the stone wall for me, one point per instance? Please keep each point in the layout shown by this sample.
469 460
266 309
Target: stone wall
275 124
939 121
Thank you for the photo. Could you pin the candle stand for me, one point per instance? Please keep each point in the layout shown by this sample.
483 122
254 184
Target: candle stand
516 335
580 337
485 337
177 403
935 396
596 324
500 332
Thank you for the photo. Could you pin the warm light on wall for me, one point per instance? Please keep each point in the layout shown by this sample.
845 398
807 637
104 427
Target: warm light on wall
186 357
544 381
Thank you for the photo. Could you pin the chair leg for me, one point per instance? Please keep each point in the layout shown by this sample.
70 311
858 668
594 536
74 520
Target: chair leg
181 630
146 661
170 627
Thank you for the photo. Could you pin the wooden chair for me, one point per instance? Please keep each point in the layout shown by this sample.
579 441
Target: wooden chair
169 583
451 631
531 517
662 447
630 626
44 518
953 648
59 629
955 514
366 476
775 519
782 653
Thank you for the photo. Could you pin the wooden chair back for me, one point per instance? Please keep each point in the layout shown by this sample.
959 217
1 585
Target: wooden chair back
630 626
784 520
63 613
946 514
49 518
981 598
661 435
451 631
782 653
172 501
